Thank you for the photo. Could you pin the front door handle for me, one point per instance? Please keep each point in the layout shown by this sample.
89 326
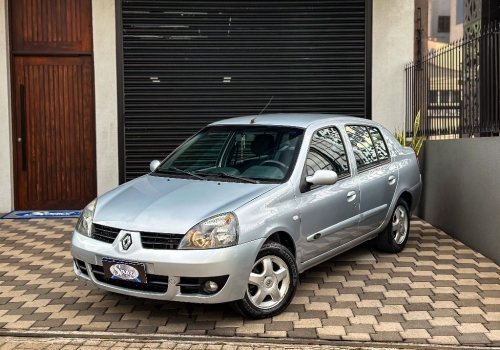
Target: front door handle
351 195
391 180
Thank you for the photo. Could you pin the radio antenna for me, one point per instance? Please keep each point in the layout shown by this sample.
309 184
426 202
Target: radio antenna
266 105
253 119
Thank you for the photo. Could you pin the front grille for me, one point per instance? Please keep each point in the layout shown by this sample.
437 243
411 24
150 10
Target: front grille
160 241
155 284
150 240
104 233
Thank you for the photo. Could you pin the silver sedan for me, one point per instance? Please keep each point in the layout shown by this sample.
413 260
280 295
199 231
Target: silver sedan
237 211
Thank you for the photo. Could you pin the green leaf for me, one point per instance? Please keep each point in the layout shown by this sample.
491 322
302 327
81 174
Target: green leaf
418 146
416 142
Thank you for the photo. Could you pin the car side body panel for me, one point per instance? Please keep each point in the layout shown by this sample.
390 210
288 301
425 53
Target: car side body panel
275 211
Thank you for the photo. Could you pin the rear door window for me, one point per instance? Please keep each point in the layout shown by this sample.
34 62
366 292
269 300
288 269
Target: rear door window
368 146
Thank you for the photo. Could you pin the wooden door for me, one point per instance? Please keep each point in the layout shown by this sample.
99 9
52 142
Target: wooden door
55 150
53 103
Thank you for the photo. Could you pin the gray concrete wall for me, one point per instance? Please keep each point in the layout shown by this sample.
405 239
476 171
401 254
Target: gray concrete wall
461 193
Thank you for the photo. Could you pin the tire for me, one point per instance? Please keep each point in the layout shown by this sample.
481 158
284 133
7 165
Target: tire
395 235
258 302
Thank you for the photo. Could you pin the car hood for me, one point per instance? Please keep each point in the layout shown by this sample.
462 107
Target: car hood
171 205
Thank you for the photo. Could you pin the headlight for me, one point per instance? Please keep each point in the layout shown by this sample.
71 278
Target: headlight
216 232
84 224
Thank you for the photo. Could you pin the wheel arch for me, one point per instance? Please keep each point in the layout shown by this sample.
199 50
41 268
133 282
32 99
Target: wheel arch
285 239
408 198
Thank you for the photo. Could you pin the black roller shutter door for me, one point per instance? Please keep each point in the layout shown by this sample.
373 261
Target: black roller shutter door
188 63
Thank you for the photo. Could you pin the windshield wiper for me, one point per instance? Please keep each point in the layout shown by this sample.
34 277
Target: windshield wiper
173 169
222 174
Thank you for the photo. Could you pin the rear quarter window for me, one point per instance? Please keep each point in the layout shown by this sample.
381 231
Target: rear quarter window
379 143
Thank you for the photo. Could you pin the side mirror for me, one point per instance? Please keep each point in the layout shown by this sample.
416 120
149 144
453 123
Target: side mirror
322 177
154 164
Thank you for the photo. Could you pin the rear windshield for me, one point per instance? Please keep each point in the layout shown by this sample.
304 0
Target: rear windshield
261 153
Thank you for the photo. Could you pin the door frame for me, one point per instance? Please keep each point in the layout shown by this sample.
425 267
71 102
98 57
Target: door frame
15 120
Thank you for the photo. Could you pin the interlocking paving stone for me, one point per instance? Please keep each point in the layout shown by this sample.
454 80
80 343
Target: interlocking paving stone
437 291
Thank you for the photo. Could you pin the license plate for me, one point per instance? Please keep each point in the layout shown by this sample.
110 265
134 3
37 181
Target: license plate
124 270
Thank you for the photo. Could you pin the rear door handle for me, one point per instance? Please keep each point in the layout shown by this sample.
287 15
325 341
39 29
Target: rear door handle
351 195
391 180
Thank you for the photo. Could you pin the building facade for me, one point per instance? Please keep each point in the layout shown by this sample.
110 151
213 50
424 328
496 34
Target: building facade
446 19
92 90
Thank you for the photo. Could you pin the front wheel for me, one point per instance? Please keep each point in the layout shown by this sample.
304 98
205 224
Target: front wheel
271 285
394 237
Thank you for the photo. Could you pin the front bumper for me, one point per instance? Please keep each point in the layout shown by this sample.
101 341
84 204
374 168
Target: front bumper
170 265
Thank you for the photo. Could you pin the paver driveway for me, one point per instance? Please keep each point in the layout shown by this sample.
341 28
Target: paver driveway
436 291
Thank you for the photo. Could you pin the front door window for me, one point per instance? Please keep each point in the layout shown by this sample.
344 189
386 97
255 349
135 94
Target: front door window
327 152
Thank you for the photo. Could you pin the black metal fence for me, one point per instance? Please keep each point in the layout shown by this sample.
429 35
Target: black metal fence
457 88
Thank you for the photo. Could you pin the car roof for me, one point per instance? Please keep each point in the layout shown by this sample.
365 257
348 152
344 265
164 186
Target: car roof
301 120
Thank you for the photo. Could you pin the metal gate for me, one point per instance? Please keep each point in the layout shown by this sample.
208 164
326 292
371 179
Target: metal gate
188 63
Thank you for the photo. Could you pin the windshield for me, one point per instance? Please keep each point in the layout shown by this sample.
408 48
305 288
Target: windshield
237 153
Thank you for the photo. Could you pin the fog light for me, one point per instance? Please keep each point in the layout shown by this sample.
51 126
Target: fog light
210 287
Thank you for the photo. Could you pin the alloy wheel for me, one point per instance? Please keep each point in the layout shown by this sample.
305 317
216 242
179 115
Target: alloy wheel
269 282
399 224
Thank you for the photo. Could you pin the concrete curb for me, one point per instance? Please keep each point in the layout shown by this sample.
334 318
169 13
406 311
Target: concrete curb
235 340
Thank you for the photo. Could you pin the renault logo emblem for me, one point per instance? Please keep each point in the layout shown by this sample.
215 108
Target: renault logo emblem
126 241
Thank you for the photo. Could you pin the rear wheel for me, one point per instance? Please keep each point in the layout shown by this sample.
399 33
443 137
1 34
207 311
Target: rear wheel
271 285
394 237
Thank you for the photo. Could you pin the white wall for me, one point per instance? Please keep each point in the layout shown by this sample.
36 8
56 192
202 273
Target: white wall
6 189
393 38
439 8
106 105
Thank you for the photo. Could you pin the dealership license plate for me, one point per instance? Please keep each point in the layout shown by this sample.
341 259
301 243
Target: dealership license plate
124 270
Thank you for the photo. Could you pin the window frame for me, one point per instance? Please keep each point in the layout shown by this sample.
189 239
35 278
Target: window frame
339 178
379 162
293 161
442 22
433 97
